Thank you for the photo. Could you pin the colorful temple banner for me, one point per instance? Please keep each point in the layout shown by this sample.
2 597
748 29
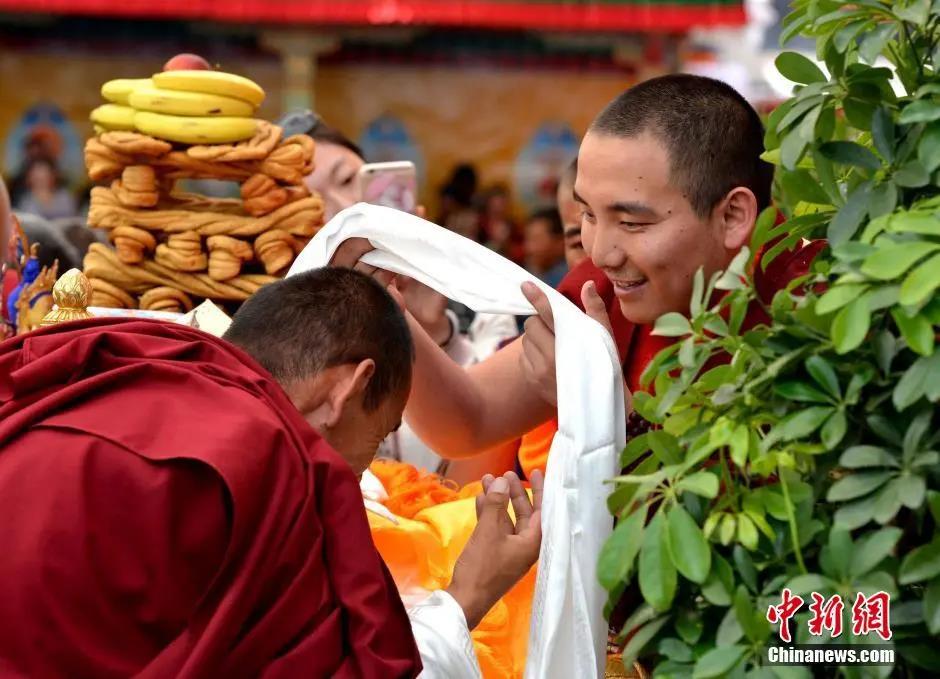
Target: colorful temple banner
664 16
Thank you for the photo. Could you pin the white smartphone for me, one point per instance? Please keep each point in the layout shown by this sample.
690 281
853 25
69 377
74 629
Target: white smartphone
393 185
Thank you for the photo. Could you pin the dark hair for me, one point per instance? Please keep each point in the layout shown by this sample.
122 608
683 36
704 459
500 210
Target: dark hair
552 217
713 135
299 326
53 244
309 123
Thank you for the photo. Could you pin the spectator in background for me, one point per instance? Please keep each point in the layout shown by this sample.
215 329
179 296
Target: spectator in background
53 242
46 194
457 209
499 231
570 213
545 246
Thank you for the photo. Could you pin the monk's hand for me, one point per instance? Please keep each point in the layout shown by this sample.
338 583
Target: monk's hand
499 552
349 254
595 308
538 345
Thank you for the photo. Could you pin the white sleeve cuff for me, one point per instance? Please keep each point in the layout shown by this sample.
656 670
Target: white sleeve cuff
440 629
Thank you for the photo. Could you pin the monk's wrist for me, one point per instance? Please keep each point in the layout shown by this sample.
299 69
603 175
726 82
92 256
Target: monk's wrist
469 601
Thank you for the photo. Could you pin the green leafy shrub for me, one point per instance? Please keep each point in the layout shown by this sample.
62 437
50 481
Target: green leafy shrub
810 459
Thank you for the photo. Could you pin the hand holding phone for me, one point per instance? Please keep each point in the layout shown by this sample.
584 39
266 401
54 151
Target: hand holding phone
392 185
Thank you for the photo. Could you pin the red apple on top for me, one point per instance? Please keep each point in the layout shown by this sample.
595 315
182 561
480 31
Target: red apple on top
187 62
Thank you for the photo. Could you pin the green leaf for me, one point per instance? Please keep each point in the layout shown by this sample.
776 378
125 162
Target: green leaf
912 489
883 199
657 570
799 424
823 373
794 66
665 447
744 610
882 133
921 564
917 331
912 175
892 260
745 566
698 290
920 111
791 150
850 153
801 185
690 552
928 149
620 550
718 586
912 384
795 390
887 502
747 532
701 483
837 553
921 283
855 485
850 216
850 326
726 531
833 431
838 296
873 44
689 626
672 324
674 649
641 638
915 11
718 662
933 498
854 514
886 348
915 222
859 457
845 35
729 630
799 108
932 606
872 550
809 582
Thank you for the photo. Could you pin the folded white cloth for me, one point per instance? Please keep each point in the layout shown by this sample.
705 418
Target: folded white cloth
568 633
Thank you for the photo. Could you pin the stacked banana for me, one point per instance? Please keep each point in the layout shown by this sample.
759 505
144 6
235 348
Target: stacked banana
172 248
187 107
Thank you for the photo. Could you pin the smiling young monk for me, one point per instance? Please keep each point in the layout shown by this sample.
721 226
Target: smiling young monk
669 180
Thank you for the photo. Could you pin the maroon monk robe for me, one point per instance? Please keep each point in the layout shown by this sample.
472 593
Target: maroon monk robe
165 511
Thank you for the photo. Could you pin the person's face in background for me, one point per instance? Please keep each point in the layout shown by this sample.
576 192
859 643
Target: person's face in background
570 213
543 249
40 178
335 177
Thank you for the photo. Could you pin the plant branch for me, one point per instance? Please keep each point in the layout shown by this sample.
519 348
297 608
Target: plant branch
791 520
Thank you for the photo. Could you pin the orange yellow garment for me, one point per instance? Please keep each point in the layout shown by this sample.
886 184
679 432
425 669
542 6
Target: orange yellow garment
433 523
534 447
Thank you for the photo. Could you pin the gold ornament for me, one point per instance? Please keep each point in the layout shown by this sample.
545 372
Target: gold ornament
71 294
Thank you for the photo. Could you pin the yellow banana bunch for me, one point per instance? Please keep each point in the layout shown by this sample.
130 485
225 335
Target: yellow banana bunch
119 91
114 117
211 82
179 103
187 107
195 129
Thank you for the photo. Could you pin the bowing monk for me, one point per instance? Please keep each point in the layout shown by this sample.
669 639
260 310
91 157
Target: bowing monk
176 505
669 180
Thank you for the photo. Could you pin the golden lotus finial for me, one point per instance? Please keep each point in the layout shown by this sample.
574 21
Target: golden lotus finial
71 295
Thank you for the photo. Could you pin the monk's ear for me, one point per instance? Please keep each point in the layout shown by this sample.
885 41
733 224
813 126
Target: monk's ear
736 215
349 387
